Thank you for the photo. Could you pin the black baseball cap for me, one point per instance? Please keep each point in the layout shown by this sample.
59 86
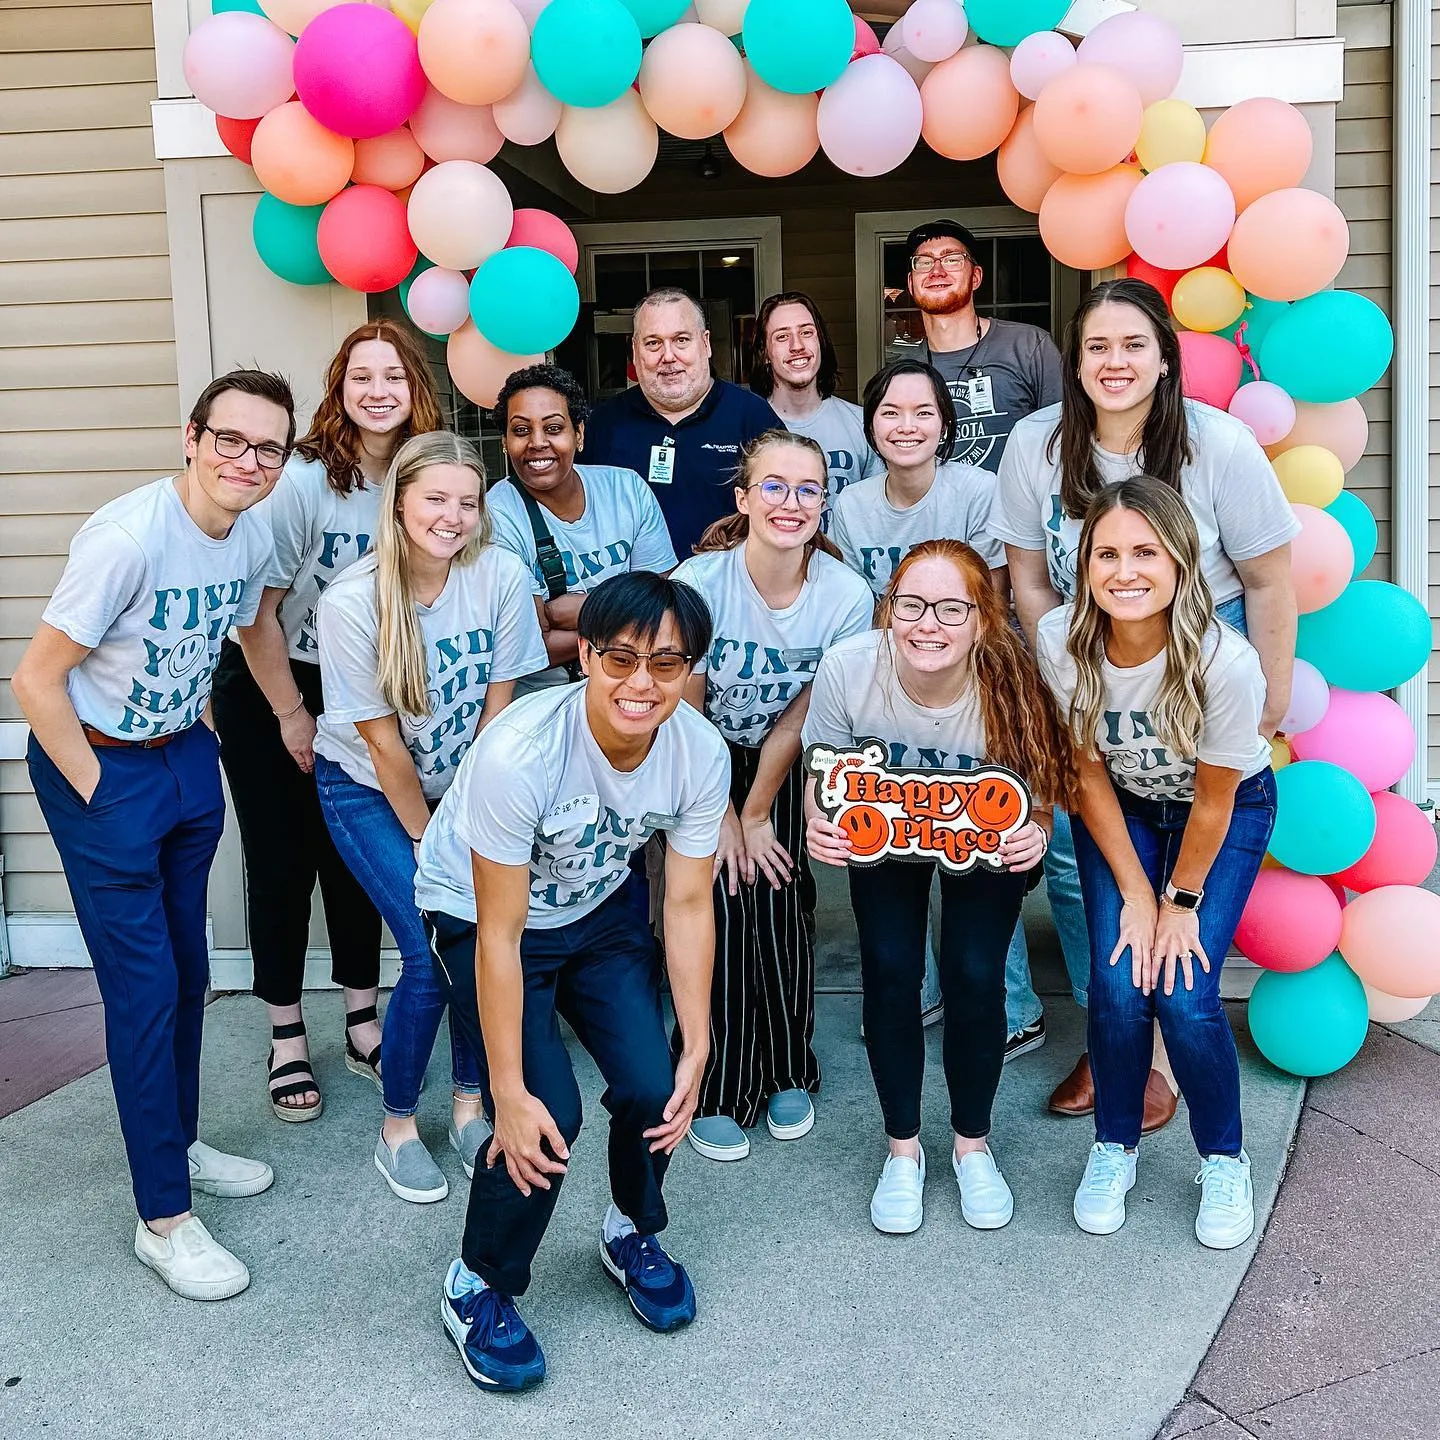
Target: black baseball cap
940 230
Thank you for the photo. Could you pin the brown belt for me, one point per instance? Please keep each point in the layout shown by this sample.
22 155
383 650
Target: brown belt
99 737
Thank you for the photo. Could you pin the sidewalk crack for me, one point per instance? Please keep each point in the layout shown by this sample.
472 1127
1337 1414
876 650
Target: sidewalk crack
1330 1384
1374 1139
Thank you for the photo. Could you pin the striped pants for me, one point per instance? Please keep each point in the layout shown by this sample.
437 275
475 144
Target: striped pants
762 1002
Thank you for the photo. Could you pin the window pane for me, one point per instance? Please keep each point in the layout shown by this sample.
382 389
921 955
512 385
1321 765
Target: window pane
619 280
675 267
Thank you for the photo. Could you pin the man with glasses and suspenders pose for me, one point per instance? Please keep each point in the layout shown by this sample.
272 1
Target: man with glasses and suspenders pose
535 837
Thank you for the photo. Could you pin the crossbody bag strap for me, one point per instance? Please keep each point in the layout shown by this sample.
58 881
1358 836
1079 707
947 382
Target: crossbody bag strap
547 553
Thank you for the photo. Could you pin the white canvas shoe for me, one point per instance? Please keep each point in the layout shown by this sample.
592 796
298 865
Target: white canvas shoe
191 1261
231 1177
898 1205
985 1198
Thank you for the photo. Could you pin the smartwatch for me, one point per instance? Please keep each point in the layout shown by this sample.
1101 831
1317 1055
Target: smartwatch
1183 899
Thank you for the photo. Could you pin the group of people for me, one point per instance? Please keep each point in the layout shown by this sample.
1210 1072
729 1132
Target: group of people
551 733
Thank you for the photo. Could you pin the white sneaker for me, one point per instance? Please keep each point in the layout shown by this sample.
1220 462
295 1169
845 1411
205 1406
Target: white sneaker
985 1198
191 1261
898 1204
212 1172
1100 1199
1227 1202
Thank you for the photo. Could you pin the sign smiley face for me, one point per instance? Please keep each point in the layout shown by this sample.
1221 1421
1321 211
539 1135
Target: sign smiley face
868 829
996 804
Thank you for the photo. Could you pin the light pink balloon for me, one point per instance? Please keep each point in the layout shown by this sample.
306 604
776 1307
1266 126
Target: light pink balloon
692 81
529 114
1322 560
439 301
1363 732
869 119
239 65
1038 59
1145 47
541 230
1309 699
610 148
530 9
460 214
893 46
933 30
1266 409
448 130
1180 215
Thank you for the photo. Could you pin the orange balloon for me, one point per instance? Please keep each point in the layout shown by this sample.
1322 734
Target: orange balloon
1088 119
1260 145
970 103
1082 220
774 134
1025 174
393 161
1289 244
474 51
297 159
478 368
1341 429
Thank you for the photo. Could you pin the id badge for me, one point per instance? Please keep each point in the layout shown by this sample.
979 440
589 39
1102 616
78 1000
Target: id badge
662 465
982 395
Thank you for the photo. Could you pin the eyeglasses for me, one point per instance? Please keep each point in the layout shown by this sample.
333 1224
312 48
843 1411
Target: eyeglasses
947 612
950 260
809 495
230 446
619 662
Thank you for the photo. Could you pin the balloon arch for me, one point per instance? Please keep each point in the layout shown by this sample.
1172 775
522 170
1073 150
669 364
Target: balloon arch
371 130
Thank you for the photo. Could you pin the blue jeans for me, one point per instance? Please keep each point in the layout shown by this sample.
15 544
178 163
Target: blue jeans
1193 1022
373 843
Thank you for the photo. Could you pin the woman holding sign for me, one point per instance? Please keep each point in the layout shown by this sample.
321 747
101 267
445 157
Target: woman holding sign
1177 801
779 597
947 685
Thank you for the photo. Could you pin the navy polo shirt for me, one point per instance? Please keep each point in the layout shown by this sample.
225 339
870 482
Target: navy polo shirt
624 429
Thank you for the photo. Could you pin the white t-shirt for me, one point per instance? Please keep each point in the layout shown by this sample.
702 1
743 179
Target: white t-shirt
317 535
874 536
761 659
153 596
838 428
1231 489
481 628
857 696
537 789
1134 755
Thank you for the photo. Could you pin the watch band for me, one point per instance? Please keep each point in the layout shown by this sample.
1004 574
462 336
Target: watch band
1183 899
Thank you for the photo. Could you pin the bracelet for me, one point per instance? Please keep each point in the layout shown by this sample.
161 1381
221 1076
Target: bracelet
294 710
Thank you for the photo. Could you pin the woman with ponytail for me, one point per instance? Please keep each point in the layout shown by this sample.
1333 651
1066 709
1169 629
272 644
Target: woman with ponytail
421 644
946 683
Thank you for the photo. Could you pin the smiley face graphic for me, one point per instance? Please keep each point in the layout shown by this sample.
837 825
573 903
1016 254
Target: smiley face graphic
867 828
739 697
186 656
996 804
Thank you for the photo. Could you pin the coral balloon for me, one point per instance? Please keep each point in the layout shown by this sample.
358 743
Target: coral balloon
1259 145
1290 922
239 65
869 119
970 103
474 51
541 230
364 239
1163 280
1354 514
1210 367
1207 299
1266 409
1362 732
933 30
529 114
236 135
867 42
357 70
1309 699
439 301
1025 174
1289 244
478 368
1082 218
297 159
1088 119
1171 130
1341 428
609 148
1403 851
1321 561
1145 48
1309 475
1324 819
1390 1009
392 161
1180 215
1038 59
1390 937
460 214
448 130
775 133
692 81
1376 636
1312 1022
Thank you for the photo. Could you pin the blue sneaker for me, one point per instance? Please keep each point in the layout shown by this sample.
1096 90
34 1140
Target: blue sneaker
659 1289
497 1347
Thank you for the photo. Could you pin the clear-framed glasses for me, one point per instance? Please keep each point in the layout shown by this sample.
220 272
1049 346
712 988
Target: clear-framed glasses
950 260
230 446
948 612
620 661
808 495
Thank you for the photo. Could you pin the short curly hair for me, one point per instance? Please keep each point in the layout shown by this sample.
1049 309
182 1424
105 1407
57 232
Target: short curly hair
543 377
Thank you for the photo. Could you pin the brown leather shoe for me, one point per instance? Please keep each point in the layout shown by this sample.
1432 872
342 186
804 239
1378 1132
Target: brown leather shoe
1160 1104
1075 1094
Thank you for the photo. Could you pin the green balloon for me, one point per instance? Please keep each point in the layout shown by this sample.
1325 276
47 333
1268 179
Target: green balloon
586 52
523 300
286 240
252 7
1354 514
1329 347
1008 22
1309 1022
1374 637
653 16
799 46
1324 819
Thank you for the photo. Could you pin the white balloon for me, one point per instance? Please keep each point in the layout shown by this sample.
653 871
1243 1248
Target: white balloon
530 113
726 16
1391 1009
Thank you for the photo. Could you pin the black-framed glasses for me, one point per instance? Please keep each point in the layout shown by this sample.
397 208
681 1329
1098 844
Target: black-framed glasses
230 446
947 612
619 662
808 495
950 260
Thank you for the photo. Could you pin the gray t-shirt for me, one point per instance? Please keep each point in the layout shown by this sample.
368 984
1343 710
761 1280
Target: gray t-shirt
838 428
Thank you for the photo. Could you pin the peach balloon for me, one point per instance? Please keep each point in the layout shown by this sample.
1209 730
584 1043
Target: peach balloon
774 134
1260 145
478 368
692 81
1289 244
297 159
1025 173
1088 119
448 130
1309 474
460 214
970 103
293 16
1082 219
392 161
1342 429
474 51
610 148
530 113
1321 559
1390 938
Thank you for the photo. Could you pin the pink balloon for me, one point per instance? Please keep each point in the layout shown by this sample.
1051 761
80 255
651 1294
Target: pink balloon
1266 409
1145 47
1322 560
1211 365
933 30
239 65
460 214
357 70
867 42
1038 59
1290 922
1309 699
1403 851
448 130
1180 214
869 119
439 300
1390 938
543 231
1363 732
530 113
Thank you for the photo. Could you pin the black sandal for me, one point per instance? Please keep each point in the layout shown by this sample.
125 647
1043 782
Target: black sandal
285 1089
355 1062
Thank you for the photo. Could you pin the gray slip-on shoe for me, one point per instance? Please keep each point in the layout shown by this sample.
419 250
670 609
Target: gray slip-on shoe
411 1172
467 1143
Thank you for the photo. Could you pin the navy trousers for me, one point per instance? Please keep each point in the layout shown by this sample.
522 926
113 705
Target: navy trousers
137 859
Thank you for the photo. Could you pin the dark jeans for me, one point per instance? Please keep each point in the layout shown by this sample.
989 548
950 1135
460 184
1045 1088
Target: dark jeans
601 975
978 912
286 843
1196 1031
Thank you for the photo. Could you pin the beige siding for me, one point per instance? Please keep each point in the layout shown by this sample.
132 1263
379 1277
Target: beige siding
88 402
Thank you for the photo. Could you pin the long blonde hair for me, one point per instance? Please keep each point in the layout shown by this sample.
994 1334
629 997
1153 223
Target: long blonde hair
399 643
1179 713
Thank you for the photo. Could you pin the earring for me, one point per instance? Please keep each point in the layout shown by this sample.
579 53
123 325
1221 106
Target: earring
1164 371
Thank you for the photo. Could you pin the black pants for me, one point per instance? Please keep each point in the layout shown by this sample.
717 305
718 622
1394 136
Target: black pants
762 999
287 844
601 975
978 912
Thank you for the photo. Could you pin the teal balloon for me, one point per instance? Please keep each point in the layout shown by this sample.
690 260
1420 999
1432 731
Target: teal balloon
251 7
1257 318
1329 347
286 240
1008 22
799 46
586 52
1324 819
653 16
1374 637
523 300
1355 515
1309 1022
